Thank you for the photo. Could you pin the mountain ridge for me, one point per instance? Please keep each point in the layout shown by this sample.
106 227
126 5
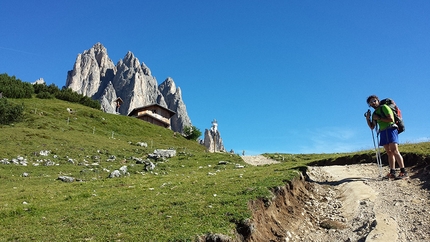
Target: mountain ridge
95 75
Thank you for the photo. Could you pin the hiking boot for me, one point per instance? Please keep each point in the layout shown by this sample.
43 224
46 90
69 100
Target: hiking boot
389 176
402 175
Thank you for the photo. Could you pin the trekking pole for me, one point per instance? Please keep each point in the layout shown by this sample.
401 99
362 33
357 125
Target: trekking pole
378 155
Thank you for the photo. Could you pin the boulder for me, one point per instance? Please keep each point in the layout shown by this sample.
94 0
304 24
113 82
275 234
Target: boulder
66 179
159 153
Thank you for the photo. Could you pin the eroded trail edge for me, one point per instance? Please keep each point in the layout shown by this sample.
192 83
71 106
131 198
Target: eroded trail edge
345 203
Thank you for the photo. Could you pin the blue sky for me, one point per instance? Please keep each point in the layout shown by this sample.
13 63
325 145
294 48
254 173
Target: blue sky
279 76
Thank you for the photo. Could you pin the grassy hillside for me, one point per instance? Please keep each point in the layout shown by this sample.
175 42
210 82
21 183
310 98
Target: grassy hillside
185 196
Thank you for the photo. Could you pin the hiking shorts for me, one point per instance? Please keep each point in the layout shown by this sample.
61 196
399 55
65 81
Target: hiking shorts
388 136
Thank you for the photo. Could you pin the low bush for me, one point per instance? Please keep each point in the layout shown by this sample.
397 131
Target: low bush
12 87
9 112
44 95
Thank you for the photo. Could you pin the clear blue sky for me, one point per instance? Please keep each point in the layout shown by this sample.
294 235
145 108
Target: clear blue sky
279 76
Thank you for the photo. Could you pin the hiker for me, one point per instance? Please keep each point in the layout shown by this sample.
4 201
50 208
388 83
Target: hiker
389 138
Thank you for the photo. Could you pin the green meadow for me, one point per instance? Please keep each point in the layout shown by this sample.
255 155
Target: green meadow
192 194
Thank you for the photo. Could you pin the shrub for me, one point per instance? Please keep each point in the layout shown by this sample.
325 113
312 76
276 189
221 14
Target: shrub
66 94
12 87
192 133
87 101
44 95
15 88
51 89
10 113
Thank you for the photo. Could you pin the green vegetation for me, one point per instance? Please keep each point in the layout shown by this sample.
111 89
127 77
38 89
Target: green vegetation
185 196
192 132
11 87
10 113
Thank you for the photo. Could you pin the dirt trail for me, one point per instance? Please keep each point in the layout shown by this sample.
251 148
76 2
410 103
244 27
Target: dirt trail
346 203
258 160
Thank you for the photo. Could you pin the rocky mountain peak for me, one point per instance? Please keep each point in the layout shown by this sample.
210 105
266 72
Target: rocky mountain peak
95 75
145 69
39 81
98 50
173 97
92 68
168 87
131 61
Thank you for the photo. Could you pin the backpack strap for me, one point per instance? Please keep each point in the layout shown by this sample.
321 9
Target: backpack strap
380 111
383 114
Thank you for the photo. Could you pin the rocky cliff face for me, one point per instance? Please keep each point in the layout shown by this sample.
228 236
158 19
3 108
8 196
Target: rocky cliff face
91 69
95 75
135 85
173 97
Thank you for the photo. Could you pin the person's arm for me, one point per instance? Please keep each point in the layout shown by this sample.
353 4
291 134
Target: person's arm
371 123
387 114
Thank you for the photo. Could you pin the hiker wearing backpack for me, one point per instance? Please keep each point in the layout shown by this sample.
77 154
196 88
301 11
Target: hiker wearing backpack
384 117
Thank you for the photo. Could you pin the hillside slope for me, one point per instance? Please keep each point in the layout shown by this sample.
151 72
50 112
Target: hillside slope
193 196
67 128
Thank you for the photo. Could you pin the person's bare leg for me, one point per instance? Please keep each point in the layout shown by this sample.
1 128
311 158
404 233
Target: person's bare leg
390 156
396 153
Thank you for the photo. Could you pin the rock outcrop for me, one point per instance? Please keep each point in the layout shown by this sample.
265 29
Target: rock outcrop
135 85
95 75
212 140
91 69
40 81
173 97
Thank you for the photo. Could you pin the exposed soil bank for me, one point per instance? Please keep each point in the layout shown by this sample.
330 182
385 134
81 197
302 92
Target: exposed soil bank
344 199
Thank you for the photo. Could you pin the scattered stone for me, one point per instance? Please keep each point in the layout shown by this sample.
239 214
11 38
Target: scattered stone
142 144
66 179
217 238
44 152
149 166
120 172
115 173
49 163
159 153
123 170
138 160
